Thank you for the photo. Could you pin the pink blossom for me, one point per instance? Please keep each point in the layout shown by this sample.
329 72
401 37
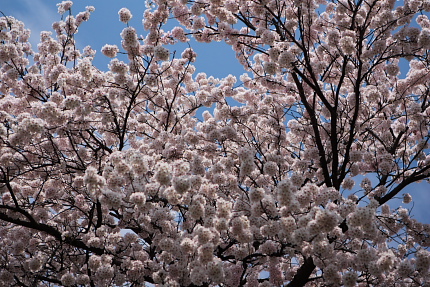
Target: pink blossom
68 279
161 53
124 15
64 6
110 51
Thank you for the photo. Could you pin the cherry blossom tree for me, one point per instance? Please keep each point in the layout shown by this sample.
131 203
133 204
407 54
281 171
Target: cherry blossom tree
146 173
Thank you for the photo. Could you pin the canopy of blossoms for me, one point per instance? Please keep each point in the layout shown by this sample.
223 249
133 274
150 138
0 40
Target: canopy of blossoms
112 178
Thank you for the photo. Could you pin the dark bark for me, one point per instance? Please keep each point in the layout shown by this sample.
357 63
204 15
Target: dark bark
51 231
303 274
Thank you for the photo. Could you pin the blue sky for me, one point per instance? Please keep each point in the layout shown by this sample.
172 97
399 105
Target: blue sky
216 59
